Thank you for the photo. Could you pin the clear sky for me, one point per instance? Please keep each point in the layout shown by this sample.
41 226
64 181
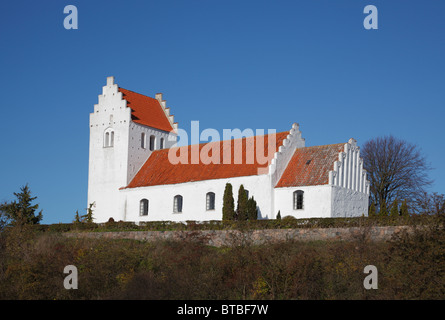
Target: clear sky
229 64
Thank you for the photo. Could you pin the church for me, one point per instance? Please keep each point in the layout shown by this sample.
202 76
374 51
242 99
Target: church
137 172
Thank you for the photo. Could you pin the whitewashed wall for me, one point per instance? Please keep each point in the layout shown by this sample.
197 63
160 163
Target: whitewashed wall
108 165
194 199
138 155
349 181
348 203
322 202
316 202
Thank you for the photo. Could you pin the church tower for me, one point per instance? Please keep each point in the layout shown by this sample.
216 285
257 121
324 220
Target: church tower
125 128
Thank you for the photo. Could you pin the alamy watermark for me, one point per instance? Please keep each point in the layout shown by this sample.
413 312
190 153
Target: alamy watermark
249 146
70 281
71 21
371 280
371 20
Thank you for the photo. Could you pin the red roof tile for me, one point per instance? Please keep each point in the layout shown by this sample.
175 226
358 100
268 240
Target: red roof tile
310 166
158 170
146 110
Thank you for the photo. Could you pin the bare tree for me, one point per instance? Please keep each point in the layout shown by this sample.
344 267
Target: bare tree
433 203
396 170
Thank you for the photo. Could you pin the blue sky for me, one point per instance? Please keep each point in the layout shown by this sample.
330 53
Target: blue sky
229 64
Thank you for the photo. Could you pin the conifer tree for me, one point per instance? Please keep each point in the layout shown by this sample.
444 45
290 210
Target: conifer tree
228 203
278 215
404 209
21 211
252 211
372 212
241 208
77 217
89 216
383 212
394 212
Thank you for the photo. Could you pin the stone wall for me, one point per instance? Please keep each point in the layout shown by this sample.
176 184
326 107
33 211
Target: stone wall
220 238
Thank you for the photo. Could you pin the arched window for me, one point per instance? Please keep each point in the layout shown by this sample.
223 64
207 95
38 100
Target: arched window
298 199
143 141
143 207
161 146
177 204
210 201
109 138
152 142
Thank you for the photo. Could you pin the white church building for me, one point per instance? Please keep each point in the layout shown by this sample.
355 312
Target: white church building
135 175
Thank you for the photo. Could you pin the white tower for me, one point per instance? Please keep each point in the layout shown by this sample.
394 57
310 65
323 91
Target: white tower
125 128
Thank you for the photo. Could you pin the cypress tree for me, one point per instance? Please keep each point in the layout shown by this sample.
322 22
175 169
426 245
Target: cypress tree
241 208
252 211
278 215
228 203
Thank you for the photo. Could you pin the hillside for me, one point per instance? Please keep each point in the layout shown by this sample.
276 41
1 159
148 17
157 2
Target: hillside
410 266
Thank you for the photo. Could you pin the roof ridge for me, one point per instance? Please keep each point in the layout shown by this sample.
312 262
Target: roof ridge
325 145
204 143
119 87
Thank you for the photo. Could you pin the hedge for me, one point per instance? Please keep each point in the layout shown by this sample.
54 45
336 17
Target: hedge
287 222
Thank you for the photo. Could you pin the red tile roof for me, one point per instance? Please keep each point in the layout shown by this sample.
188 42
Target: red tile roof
310 166
158 170
146 111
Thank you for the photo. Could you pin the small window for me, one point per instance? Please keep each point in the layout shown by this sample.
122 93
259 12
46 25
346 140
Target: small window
109 138
298 200
152 142
161 145
143 207
247 193
210 201
177 204
143 141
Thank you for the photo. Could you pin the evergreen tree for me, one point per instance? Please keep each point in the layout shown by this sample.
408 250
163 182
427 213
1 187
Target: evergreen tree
21 211
372 212
228 203
278 215
383 212
394 212
404 209
89 216
241 208
252 211
77 217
